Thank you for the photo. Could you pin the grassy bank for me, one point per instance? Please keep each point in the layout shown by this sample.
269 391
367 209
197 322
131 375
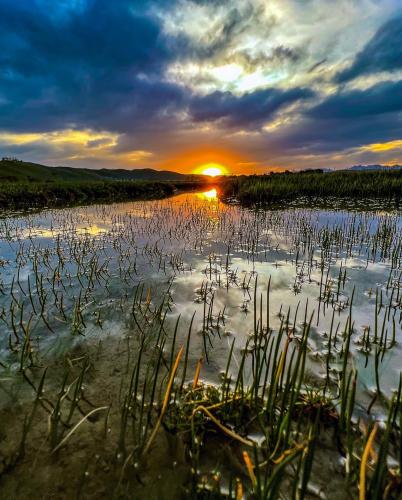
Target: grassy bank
277 187
38 195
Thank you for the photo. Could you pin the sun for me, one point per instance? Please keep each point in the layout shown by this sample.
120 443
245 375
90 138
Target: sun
211 169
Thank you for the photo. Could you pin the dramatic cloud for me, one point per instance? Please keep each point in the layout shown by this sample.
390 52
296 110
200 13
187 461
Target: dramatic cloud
75 70
249 83
381 98
382 53
250 110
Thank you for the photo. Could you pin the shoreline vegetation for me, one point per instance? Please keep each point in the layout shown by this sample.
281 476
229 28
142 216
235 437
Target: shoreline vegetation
265 189
35 186
25 185
42 195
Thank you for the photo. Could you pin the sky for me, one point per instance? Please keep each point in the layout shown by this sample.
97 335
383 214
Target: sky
252 85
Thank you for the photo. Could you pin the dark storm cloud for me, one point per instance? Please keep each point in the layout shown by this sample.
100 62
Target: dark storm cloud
101 64
250 110
56 72
330 135
348 119
102 67
382 53
382 98
104 35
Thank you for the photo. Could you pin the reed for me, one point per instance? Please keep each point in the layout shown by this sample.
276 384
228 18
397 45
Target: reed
274 364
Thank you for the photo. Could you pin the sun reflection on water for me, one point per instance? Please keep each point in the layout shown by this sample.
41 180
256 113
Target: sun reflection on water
211 195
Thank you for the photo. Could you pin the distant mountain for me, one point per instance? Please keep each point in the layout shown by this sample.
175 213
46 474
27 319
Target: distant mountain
375 167
13 170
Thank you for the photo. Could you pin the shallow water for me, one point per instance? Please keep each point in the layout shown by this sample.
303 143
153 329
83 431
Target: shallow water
74 272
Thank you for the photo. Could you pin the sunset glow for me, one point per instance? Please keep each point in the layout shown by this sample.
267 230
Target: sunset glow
211 169
249 85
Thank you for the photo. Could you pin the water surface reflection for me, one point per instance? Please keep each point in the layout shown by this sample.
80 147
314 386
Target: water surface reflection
215 260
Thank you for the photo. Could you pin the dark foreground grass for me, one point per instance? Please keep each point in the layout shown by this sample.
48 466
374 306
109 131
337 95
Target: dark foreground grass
277 187
39 195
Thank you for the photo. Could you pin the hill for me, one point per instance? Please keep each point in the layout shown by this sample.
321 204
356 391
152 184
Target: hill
12 170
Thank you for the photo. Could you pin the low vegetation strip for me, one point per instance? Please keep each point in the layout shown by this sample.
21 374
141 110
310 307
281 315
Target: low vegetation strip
276 187
38 195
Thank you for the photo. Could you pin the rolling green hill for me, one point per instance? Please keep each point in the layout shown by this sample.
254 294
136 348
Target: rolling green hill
19 171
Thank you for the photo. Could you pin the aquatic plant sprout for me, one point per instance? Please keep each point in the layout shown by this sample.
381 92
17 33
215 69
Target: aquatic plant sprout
262 345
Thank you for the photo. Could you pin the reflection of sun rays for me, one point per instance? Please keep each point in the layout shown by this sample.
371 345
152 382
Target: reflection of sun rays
210 195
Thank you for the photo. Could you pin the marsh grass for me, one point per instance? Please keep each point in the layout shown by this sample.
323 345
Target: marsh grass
31 195
269 427
344 184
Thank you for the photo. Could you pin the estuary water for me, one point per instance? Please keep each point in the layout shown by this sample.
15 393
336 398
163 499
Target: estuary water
73 273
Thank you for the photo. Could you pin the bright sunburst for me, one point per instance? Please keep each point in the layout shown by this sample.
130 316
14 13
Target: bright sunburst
211 169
